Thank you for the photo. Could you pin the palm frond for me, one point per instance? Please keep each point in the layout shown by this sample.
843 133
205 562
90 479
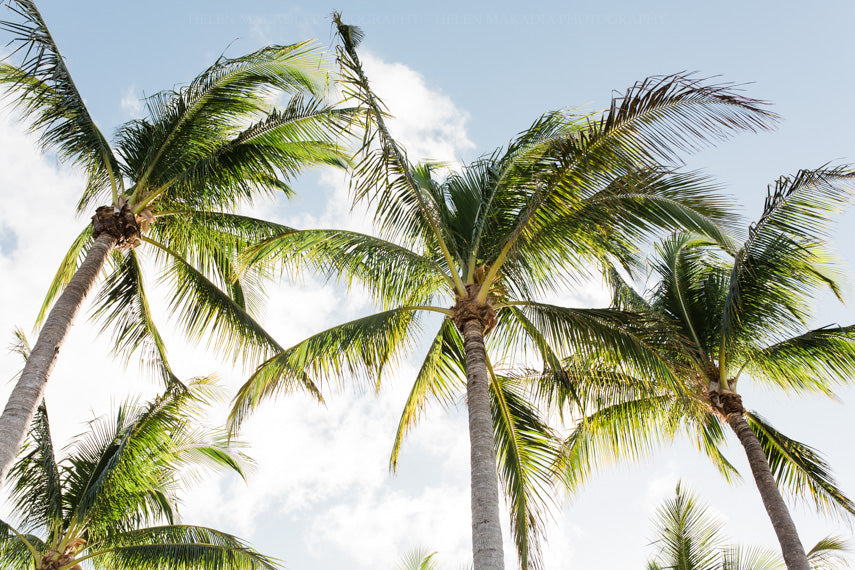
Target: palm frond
188 124
359 349
652 123
441 376
800 470
122 306
124 472
15 548
827 554
629 430
206 312
751 558
393 274
418 559
41 88
67 268
36 479
814 361
383 176
179 546
526 451
783 264
237 167
688 536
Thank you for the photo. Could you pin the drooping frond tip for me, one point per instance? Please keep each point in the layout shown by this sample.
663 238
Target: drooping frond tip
350 35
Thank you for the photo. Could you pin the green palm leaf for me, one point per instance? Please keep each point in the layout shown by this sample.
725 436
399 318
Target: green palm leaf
393 274
122 306
359 349
813 361
526 451
38 480
41 88
179 546
800 469
441 375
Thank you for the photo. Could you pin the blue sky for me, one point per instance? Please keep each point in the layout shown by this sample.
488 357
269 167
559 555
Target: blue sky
462 79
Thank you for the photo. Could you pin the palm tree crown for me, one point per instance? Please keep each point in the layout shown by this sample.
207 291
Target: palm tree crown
480 245
111 500
719 319
173 181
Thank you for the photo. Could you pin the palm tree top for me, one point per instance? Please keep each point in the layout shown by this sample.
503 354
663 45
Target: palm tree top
112 499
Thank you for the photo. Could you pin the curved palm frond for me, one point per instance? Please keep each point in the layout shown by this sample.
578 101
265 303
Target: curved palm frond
393 274
441 375
781 266
122 305
688 536
418 559
37 490
41 88
526 451
631 429
359 349
17 549
206 311
192 123
827 554
237 167
814 361
654 121
123 473
800 469
638 344
178 546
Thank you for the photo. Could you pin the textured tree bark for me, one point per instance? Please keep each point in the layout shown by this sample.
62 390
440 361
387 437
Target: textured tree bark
28 392
785 529
487 549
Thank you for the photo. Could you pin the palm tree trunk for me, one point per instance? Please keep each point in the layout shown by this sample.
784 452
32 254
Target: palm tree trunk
28 392
486 533
788 537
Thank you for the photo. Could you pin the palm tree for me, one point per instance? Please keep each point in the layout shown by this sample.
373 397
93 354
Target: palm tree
570 190
719 319
111 501
690 538
173 183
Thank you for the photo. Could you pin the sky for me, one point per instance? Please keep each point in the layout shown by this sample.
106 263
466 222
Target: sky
461 80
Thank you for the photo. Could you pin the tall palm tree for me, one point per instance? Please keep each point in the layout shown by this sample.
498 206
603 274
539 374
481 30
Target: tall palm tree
110 502
721 319
689 537
478 247
172 182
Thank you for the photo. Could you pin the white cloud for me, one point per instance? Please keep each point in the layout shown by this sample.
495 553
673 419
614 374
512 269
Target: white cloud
131 102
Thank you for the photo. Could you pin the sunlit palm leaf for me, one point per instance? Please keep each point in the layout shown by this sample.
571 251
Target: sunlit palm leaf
67 267
180 547
800 469
42 89
393 274
359 349
688 536
37 492
441 376
123 308
777 272
526 451
814 361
